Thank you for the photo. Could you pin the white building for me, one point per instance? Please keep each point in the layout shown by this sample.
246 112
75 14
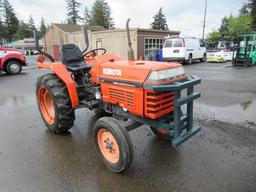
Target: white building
25 44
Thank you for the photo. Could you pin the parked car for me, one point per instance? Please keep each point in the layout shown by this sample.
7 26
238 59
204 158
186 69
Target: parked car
215 56
225 45
184 49
11 60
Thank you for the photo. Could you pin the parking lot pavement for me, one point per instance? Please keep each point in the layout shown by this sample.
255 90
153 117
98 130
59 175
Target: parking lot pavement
220 158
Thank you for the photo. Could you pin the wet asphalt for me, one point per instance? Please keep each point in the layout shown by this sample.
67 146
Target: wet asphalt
222 157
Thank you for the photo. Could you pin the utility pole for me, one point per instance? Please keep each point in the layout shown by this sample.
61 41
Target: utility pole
205 10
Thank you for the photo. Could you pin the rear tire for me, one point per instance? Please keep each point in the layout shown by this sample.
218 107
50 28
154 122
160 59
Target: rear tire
190 59
113 144
204 58
13 67
54 103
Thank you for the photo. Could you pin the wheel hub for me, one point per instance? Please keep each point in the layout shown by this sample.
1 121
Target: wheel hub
108 146
15 68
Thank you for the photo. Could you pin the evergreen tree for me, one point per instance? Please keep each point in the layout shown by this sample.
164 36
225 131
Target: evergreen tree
10 21
109 19
2 27
245 10
2 31
159 21
101 15
224 27
42 28
73 9
253 14
87 16
1 8
24 31
31 23
31 26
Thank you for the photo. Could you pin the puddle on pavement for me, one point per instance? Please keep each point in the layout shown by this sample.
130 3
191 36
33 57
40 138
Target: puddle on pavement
15 102
234 114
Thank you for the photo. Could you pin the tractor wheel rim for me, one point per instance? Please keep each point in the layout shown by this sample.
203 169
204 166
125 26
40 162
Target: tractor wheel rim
15 68
46 105
108 145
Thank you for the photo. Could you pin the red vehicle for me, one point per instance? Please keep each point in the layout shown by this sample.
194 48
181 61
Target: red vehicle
11 60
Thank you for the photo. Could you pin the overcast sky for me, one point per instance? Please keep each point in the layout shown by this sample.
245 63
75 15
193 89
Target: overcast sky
182 15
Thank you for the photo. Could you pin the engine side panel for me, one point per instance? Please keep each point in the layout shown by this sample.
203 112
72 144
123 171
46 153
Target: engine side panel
129 98
122 83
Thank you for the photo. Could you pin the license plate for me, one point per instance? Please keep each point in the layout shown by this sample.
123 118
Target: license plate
176 51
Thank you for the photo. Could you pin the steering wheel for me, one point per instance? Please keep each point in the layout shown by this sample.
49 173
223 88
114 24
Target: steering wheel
94 52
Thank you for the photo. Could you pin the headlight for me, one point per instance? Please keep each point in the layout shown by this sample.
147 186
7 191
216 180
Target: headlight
166 74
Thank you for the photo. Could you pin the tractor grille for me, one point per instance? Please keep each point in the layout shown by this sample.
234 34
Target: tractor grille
158 104
124 97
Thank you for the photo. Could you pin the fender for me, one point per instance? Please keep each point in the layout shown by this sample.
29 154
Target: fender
13 56
60 70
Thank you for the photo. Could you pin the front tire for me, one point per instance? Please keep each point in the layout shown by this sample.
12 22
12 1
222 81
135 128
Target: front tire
54 103
113 144
13 67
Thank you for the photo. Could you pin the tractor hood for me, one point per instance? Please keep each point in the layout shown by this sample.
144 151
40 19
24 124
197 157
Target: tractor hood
137 73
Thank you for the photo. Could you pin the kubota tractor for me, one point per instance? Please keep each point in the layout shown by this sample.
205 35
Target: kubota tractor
126 94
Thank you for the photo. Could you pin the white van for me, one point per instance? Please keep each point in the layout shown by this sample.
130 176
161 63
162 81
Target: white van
183 49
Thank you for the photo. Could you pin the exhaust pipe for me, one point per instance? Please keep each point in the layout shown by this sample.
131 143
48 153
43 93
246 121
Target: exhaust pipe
38 47
130 50
86 39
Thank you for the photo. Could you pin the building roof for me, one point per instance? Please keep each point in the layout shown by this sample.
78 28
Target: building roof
96 28
141 30
157 31
70 28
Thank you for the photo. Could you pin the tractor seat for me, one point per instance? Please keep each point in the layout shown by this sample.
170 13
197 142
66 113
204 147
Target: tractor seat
73 58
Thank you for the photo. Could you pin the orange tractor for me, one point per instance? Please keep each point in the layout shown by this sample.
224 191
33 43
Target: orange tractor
126 94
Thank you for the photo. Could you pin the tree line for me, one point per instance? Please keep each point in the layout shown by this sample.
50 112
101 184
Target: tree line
100 14
11 28
233 26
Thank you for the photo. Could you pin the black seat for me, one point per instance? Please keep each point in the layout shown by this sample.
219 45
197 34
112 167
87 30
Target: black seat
73 58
